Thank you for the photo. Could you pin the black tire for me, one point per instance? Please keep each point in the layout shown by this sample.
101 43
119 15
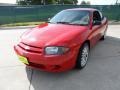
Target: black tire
79 62
104 35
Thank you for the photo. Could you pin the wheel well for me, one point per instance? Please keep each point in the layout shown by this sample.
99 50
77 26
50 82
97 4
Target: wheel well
88 42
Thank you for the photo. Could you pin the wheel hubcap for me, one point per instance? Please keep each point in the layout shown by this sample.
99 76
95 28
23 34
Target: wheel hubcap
84 57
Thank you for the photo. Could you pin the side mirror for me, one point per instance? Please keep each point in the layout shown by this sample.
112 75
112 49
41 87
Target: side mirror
95 22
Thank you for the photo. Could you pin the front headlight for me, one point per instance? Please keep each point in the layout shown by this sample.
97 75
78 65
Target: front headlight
55 50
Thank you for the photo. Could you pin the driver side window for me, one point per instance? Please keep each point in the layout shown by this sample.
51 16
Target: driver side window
96 16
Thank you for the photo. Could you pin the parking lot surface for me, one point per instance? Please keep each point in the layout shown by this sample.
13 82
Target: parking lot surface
101 73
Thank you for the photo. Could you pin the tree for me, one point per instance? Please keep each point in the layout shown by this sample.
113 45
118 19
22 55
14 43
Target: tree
116 2
68 1
88 3
75 2
29 2
35 2
45 2
21 2
85 3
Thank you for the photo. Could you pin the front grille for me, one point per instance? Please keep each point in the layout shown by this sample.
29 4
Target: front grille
30 48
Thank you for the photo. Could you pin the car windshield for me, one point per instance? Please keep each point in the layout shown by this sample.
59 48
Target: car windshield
72 17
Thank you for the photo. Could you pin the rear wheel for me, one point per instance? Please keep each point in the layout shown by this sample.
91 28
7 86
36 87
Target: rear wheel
83 56
104 36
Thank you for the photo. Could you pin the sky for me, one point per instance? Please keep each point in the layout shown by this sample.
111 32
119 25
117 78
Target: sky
94 2
8 1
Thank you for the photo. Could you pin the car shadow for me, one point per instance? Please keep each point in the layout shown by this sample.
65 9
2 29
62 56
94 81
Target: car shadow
75 79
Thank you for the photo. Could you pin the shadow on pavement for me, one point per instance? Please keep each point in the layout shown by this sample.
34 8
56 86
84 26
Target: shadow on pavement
97 75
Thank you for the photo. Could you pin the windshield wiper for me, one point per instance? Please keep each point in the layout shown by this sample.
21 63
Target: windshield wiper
63 22
50 22
70 23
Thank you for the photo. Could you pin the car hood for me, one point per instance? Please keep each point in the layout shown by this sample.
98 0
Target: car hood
51 34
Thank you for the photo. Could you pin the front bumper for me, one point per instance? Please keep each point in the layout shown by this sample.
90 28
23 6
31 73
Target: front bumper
50 63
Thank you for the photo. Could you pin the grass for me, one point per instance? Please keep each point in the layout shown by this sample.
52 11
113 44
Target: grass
21 24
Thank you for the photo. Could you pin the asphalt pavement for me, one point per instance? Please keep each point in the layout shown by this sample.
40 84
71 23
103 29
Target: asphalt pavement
101 73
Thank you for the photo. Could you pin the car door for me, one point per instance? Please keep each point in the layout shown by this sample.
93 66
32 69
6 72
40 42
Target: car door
96 27
104 24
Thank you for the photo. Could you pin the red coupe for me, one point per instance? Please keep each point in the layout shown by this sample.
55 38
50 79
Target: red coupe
64 42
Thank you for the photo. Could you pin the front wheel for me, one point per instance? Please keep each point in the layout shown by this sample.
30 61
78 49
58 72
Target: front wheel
83 56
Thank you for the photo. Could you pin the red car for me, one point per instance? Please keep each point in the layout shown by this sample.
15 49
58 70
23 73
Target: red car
64 42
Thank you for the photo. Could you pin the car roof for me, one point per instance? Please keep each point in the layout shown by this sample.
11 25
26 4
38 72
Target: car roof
84 9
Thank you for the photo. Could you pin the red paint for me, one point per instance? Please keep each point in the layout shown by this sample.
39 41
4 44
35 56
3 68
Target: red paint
71 36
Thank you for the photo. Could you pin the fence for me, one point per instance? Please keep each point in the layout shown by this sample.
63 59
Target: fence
12 14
